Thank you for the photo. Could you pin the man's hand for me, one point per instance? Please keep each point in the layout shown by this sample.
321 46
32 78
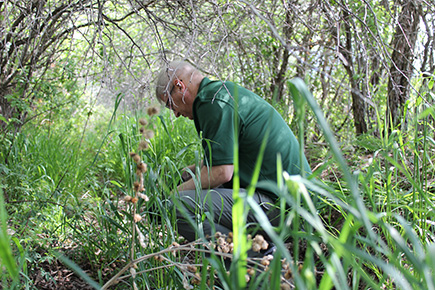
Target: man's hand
185 176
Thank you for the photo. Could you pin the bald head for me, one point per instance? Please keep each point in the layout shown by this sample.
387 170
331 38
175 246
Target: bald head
177 86
177 70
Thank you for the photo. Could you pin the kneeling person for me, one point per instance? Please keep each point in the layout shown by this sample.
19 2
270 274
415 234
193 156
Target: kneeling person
213 106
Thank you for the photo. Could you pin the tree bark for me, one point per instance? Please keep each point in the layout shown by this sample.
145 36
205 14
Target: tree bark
279 79
402 58
359 109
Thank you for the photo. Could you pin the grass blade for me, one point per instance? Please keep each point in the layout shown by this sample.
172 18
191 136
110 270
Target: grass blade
73 266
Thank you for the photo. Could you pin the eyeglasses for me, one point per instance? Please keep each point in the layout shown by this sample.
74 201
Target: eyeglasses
168 101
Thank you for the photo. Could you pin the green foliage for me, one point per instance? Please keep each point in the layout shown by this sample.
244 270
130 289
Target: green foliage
67 192
7 259
365 221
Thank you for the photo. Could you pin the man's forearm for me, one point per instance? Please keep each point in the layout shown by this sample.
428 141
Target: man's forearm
210 177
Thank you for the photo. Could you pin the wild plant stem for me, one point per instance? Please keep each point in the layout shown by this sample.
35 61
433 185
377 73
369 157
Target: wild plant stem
133 235
187 247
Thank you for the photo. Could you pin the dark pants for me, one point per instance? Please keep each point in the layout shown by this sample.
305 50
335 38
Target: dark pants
216 206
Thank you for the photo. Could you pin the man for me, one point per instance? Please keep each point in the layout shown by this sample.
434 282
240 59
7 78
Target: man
212 105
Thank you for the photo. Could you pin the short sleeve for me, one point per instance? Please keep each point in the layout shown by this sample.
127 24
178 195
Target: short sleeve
216 121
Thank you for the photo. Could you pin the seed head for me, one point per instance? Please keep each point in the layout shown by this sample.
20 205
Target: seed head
136 185
221 241
192 268
285 265
133 272
285 286
127 198
264 245
143 145
141 238
153 110
259 243
137 218
256 247
134 200
251 272
259 239
266 260
135 157
148 134
142 167
143 196
288 274
225 249
196 279
143 122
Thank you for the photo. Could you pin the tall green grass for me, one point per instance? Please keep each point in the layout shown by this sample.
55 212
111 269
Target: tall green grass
9 272
370 228
368 248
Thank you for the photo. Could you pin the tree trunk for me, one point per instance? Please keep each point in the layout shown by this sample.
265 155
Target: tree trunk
403 45
359 109
279 79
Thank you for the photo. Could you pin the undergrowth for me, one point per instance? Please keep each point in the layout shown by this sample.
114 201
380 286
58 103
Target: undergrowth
97 200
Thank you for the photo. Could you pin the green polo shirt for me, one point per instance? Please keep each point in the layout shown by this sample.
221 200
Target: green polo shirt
213 113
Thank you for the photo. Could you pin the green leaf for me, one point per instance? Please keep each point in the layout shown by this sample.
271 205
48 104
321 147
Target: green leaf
6 257
114 182
3 119
425 113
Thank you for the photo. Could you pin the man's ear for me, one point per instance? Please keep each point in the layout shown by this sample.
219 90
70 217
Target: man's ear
180 85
